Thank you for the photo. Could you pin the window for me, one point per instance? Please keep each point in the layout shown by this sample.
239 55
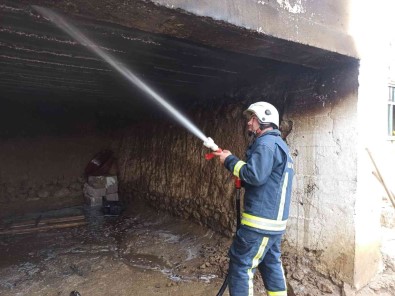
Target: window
391 111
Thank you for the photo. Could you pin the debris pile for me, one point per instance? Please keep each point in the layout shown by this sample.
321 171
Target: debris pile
98 188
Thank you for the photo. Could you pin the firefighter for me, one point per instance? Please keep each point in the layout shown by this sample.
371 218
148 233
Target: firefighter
267 177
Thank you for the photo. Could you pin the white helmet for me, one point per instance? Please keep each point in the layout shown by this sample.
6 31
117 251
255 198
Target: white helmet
265 112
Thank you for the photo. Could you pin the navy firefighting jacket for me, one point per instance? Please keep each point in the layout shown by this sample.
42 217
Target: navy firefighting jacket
267 177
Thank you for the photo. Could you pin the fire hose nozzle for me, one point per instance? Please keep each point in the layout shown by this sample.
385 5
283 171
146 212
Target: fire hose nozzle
209 143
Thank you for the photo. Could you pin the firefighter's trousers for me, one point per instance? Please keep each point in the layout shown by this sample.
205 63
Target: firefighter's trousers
251 250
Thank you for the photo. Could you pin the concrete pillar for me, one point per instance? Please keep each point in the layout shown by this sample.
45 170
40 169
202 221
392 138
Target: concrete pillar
324 146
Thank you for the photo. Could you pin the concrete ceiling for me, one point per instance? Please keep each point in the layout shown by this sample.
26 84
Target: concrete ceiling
38 59
183 57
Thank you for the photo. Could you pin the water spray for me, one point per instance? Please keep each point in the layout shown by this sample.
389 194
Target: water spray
65 26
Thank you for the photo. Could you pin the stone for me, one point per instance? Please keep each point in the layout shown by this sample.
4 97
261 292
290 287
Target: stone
298 275
43 193
112 197
389 261
388 217
62 193
32 193
111 184
324 287
90 191
97 181
94 201
11 190
76 186
375 286
196 215
347 290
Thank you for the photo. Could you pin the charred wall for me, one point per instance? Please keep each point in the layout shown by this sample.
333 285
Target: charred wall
324 141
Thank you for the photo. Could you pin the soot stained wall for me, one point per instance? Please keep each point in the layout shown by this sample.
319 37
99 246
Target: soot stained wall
324 144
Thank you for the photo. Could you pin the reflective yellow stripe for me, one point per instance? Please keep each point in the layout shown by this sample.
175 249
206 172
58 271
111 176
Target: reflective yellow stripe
282 201
255 263
236 169
284 279
279 293
262 223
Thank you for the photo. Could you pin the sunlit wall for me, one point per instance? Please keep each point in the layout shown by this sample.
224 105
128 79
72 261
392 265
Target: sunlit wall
370 26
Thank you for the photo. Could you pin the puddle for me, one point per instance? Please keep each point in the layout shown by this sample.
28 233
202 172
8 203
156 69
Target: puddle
146 261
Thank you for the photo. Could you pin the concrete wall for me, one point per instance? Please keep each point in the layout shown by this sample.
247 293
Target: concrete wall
324 145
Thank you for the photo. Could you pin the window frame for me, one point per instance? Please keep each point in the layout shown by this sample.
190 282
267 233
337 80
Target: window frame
391 102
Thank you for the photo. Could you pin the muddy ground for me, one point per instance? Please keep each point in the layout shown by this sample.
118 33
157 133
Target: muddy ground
141 252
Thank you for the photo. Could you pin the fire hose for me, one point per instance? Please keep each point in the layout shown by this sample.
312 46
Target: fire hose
237 186
210 144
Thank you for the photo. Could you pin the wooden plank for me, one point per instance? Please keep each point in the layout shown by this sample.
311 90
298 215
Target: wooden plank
391 195
62 219
33 223
47 221
43 228
380 178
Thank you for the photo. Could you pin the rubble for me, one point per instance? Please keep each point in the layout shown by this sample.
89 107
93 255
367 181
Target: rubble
99 187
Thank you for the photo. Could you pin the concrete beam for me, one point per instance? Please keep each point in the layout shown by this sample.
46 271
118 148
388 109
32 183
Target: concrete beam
293 34
322 24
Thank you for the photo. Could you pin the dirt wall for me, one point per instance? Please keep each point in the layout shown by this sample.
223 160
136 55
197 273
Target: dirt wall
163 163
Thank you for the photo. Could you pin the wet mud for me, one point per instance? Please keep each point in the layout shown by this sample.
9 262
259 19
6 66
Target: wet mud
141 252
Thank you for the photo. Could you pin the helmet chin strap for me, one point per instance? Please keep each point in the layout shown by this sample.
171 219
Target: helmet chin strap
256 132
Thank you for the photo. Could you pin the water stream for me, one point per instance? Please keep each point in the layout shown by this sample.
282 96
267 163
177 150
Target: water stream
71 30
